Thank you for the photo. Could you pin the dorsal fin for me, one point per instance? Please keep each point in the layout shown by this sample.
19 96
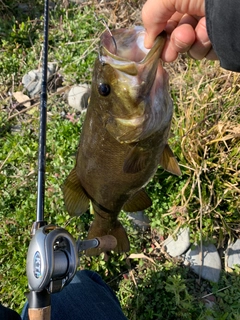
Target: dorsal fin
139 201
75 199
136 160
169 162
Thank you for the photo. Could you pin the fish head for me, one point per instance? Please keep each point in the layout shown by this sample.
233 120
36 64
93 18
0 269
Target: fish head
130 85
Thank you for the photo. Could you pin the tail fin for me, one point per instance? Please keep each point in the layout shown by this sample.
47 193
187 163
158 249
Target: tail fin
99 229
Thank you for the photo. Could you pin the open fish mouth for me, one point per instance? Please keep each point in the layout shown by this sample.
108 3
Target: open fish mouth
124 49
140 84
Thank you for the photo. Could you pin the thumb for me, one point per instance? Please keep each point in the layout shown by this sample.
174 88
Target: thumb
149 39
155 16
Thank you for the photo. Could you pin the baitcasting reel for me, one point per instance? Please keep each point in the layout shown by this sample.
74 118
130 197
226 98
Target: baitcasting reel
52 258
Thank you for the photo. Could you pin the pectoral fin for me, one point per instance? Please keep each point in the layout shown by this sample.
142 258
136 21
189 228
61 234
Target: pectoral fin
169 162
76 201
139 201
136 160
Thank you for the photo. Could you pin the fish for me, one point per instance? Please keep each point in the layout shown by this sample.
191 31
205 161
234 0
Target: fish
124 136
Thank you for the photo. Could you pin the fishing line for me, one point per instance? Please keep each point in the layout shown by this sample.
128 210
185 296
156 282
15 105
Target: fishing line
104 23
43 121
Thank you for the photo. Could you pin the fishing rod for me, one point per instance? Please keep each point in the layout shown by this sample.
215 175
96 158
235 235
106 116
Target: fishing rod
52 257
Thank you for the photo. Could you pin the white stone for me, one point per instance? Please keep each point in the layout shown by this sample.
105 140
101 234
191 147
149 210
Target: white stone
32 81
140 219
206 263
175 246
78 97
233 254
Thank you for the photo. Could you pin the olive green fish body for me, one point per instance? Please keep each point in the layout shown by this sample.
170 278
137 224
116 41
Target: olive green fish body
101 159
124 135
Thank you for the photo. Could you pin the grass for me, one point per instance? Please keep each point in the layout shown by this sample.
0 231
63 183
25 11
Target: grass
204 137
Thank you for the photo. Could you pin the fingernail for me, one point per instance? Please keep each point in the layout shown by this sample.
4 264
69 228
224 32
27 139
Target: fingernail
147 42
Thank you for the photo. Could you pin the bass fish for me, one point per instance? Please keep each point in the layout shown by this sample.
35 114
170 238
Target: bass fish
124 136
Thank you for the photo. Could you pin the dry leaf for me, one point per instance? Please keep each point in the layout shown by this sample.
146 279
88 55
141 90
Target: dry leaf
20 97
140 256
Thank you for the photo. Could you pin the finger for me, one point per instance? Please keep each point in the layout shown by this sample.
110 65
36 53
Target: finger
173 22
168 53
188 19
156 13
181 40
154 16
211 55
202 44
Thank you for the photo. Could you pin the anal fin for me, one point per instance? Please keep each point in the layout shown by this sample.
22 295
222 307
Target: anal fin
139 201
75 199
169 162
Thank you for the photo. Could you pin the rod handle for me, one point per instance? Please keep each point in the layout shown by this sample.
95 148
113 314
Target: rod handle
107 243
40 313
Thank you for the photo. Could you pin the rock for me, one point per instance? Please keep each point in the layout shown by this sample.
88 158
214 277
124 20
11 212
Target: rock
32 81
176 247
210 269
78 97
16 129
233 254
140 219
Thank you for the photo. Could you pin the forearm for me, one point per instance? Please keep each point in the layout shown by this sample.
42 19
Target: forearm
223 26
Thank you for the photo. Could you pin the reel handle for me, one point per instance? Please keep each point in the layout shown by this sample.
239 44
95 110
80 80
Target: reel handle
107 243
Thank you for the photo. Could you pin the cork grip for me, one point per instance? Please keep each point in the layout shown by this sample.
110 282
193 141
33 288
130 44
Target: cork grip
107 243
40 313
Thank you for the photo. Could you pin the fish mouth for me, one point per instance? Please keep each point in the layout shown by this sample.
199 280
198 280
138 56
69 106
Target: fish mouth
124 49
141 84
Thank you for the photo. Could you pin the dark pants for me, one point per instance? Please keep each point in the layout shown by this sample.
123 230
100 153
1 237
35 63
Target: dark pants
87 297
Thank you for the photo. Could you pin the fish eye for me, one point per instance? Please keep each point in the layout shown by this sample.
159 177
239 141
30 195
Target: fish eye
104 89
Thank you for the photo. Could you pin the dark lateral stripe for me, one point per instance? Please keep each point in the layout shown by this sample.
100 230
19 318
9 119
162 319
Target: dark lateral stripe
98 204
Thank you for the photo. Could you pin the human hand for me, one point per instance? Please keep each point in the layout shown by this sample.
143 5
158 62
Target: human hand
185 23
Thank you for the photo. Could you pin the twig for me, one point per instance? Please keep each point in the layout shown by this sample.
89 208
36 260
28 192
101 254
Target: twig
76 42
201 215
3 163
210 294
87 50
61 90
24 110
